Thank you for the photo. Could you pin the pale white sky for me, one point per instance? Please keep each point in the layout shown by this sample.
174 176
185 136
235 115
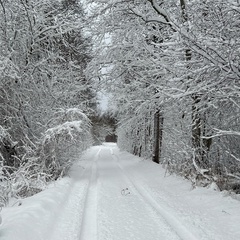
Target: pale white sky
103 101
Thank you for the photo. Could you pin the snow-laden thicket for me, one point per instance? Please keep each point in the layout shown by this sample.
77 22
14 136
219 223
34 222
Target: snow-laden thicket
172 68
62 143
44 94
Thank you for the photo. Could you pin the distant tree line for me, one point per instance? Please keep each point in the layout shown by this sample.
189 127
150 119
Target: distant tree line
103 128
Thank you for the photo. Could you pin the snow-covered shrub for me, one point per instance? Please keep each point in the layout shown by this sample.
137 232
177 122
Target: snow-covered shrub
4 189
21 175
5 156
67 137
7 148
26 180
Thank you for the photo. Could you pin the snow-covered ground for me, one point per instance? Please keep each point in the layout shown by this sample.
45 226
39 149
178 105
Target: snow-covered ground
112 195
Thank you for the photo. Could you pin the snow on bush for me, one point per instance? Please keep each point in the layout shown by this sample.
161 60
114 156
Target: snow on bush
20 175
67 137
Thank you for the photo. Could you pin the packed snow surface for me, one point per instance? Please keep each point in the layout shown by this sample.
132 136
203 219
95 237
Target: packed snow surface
113 195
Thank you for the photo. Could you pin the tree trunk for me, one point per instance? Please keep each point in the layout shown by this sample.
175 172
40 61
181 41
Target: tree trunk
196 130
158 135
156 146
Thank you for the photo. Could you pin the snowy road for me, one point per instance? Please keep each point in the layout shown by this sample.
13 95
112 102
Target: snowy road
115 196
125 213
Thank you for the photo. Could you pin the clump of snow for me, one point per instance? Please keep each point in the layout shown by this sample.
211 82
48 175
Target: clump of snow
214 186
66 128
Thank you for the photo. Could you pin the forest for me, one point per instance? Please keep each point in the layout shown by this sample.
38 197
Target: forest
170 69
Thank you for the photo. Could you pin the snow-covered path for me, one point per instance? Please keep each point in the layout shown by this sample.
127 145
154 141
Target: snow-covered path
125 213
112 195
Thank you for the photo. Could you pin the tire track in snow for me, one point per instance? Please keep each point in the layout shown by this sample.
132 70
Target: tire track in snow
124 217
69 216
172 221
89 220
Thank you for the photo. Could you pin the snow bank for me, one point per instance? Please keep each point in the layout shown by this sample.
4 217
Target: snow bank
29 220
